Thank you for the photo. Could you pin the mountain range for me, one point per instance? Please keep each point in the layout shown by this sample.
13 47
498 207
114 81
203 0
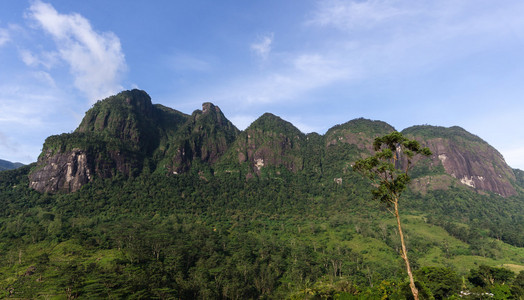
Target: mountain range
7 165
127 135
144 201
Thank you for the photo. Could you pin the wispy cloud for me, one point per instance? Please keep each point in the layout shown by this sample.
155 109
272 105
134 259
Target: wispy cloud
262 47
29 112
45 59
348 15
378 37
45 78
4 36
298 75
95 59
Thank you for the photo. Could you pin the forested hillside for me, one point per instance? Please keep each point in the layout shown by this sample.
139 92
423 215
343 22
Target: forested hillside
143 201
7 165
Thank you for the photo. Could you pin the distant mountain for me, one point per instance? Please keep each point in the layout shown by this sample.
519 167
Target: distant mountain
7 165
127 135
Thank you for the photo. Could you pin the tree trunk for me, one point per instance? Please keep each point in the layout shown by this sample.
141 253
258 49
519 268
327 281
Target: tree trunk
404 254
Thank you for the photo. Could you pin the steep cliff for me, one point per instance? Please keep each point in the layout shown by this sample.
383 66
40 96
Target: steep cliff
202 139
466 158
127 135
115 137
128 116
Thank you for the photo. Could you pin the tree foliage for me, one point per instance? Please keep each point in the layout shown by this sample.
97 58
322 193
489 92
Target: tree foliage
389 173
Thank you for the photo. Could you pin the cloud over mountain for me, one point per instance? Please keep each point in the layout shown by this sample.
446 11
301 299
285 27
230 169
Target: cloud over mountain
96 60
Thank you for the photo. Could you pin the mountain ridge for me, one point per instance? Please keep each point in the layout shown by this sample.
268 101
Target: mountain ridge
127 134
7 165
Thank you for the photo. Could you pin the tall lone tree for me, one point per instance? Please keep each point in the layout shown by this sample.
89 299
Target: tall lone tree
388 170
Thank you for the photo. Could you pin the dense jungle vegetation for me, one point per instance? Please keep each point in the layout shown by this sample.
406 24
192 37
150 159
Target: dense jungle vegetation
271 237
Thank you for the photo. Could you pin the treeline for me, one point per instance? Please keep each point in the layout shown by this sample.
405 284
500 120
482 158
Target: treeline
221 237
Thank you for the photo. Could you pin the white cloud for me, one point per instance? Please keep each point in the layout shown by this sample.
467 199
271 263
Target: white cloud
28 58
378 37
263 46
30 112
19 106
300 74
95 59
376 41
45 78
4 36
349 15
45 59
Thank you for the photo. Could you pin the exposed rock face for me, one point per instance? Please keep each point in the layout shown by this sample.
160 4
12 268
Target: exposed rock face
114 137
66 172
205 137
69 171
125 133
270 149
467 158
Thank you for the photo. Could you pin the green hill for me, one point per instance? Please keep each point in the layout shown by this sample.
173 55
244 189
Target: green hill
7 165
143 201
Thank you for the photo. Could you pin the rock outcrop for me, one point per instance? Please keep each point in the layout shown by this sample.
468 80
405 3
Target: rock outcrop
115 137
66 172
126 134
467 158
204 138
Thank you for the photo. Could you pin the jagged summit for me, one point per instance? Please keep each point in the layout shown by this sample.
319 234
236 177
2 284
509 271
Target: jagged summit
127 135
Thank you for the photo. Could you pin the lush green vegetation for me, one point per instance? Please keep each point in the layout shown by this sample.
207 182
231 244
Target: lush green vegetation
7 165
189 237
455 133
187 207
364 126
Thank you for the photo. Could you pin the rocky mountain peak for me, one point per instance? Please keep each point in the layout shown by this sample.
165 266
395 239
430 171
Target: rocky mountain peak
467 158
208 107
125 134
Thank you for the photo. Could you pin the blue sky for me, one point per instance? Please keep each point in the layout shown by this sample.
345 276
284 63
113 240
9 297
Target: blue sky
314 63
